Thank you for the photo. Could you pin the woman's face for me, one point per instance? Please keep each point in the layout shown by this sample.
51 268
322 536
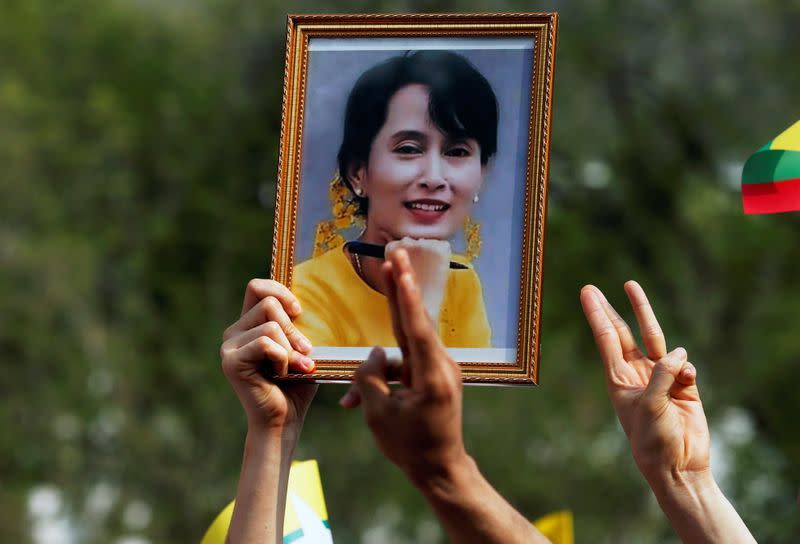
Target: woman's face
419 181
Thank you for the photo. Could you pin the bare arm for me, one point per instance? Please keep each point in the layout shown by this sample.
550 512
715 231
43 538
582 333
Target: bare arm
471 510
263 342
655 396
418 427
261 494
698 510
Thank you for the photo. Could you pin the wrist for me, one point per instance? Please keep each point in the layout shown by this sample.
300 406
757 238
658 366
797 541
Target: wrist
682 483
687 497
280 437
697 508
438 480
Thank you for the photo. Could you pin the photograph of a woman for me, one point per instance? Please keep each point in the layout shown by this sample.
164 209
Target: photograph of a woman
415 150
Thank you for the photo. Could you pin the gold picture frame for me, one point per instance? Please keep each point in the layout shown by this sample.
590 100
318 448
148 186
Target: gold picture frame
536 29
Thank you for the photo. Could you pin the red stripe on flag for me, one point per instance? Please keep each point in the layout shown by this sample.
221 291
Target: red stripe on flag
773 197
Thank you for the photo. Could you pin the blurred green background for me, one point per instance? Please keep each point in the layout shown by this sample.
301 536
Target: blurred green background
138 145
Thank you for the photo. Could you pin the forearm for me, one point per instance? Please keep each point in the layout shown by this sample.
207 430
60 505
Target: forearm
470 509
261 493
698 510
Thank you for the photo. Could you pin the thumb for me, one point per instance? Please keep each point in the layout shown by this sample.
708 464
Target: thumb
665 373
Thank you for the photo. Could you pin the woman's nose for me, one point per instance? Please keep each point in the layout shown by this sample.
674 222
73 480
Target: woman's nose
433 175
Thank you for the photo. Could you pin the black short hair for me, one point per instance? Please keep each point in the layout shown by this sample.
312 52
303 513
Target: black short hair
462 103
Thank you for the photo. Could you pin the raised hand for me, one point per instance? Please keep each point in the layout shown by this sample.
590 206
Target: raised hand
418 425
656 399
264 341
653 392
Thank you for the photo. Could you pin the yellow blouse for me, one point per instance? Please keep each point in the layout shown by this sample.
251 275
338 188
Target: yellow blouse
339 309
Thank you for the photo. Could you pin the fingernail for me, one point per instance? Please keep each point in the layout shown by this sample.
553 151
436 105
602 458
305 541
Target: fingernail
295 307
307 363
680 353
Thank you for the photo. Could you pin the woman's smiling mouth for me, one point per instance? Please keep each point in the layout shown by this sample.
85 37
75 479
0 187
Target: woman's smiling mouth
426 210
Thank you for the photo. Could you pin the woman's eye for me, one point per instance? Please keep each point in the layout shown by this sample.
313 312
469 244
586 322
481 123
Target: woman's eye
407 149
458 152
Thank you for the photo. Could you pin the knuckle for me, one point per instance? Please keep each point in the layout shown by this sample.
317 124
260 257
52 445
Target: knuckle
224 349
271 284
275 287
271 328
604 332
427 342
665 365
290 329
265 346
270 304
264 329
653 330
441 390
253 285
420 329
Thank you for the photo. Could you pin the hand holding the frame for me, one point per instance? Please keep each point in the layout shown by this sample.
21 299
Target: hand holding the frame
655 396
419 426
264 338
265 341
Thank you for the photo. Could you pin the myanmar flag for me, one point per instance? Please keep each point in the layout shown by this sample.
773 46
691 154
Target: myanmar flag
771 177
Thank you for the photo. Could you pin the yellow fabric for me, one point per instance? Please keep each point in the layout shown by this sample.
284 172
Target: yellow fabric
557 527
789 139
304 483
339 309
218 530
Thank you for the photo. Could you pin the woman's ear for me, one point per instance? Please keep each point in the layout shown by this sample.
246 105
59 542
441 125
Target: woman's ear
356 175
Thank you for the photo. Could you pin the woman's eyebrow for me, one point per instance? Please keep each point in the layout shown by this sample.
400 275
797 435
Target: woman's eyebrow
409 135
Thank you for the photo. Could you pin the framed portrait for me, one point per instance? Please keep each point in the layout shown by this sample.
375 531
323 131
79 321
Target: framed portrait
429 132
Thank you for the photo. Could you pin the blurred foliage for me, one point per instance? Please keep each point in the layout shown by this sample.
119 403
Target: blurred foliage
138 144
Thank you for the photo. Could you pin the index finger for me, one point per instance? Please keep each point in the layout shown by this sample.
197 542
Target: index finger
626 340
258 289
390 288
605 334
424 346
389 285
652 335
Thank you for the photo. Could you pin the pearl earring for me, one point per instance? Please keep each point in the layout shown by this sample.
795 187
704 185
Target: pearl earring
475 198
358 191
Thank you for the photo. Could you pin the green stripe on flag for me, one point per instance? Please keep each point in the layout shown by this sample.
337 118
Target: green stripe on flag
772 165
